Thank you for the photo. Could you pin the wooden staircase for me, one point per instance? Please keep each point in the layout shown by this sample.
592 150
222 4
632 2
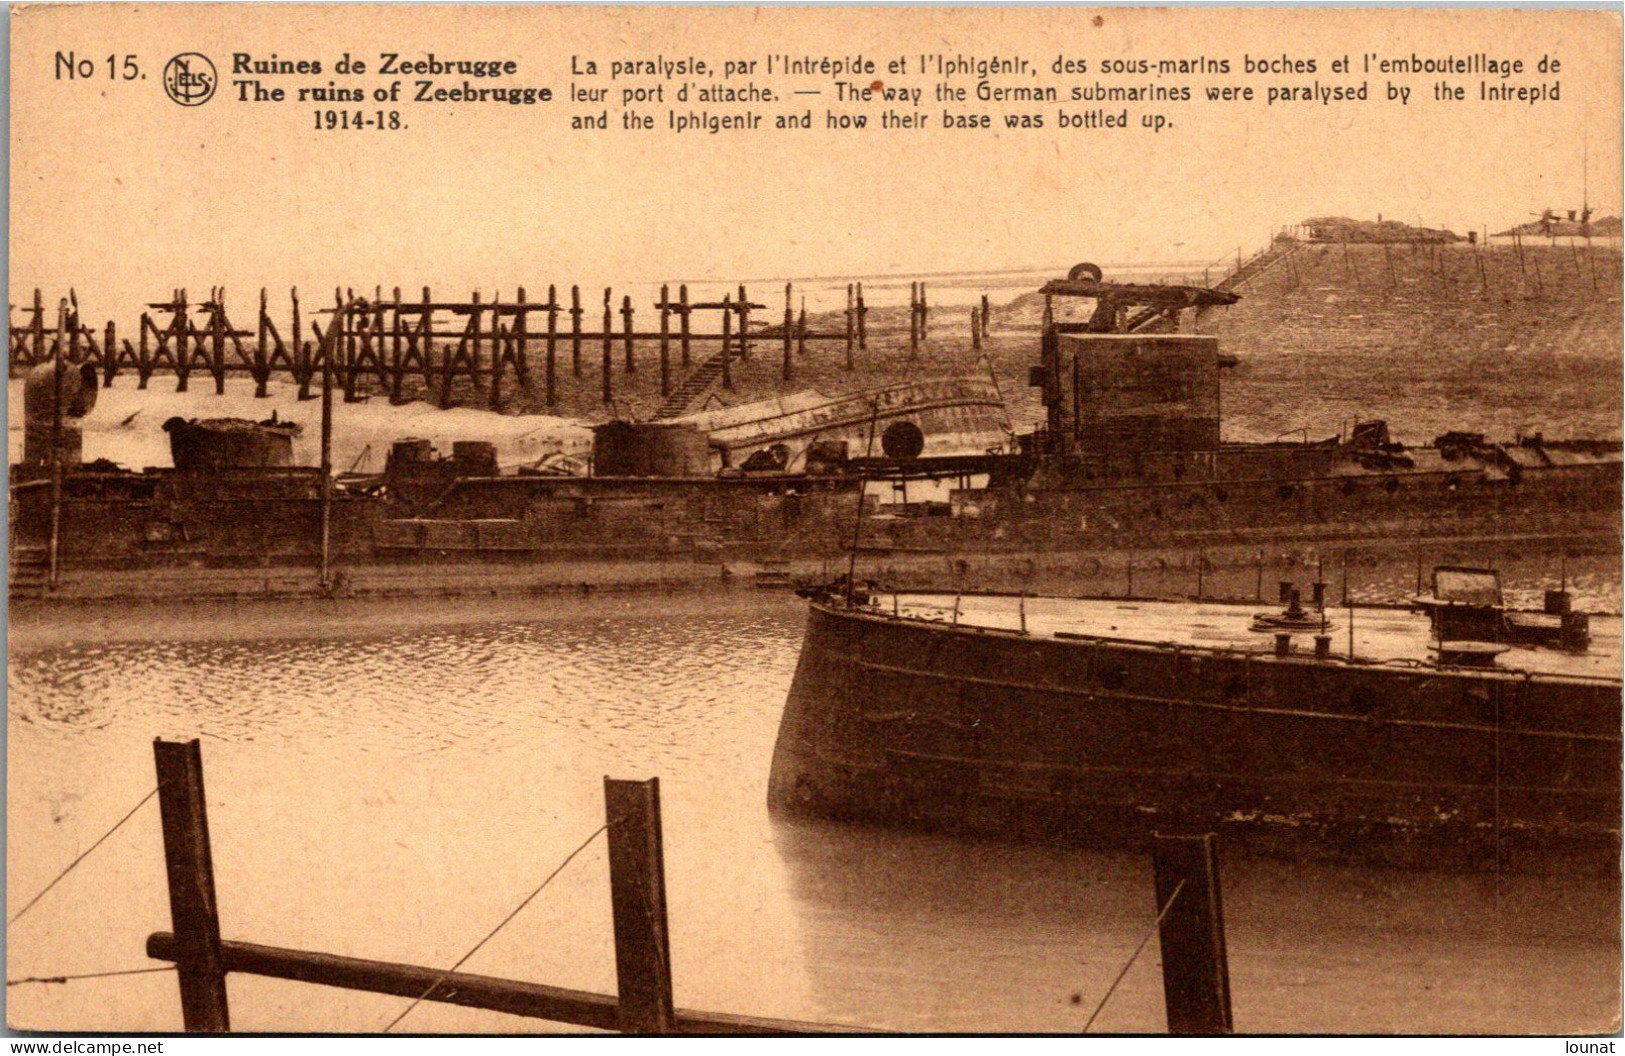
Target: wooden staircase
693 389
30 571
1278 250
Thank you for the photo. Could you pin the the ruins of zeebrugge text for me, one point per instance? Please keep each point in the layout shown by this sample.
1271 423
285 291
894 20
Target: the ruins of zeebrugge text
862 92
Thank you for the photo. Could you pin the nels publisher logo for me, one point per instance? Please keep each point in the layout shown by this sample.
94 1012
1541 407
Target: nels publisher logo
190 79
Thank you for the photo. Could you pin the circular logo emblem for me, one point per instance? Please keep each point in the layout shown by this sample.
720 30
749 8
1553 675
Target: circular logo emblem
189 78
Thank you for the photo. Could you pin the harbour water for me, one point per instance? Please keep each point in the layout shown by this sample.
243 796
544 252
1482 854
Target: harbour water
388 779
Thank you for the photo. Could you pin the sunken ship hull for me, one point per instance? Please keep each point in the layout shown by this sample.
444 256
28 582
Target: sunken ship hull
1102 741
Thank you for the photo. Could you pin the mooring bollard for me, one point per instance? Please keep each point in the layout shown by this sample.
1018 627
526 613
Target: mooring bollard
192 906
637 882
1195 968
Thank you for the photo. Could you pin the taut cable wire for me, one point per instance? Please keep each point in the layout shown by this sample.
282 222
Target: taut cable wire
82 857
86 975
1132 957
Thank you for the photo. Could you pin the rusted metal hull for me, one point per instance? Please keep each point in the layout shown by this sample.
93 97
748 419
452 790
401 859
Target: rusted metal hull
1101 538
1102 741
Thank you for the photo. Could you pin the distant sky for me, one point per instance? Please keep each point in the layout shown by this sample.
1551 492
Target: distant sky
124 195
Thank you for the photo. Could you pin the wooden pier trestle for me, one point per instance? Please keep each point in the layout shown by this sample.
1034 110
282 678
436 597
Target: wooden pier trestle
384 344
1190 922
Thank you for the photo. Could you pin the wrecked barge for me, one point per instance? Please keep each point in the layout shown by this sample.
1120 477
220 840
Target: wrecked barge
1129 463
1102 721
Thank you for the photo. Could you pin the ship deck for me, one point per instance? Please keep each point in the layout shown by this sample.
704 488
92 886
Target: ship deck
1381 634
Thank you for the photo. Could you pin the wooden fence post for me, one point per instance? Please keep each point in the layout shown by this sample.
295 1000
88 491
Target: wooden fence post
637 882
192 905
1195 970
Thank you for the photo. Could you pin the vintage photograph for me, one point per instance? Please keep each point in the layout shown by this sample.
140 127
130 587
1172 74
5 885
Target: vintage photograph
814 520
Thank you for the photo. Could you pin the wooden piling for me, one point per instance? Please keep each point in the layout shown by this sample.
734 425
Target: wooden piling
975 334
575 331
183 348
925 321
473 345
665 341
863 322
609 345
682 321
789 325
397 352
109 354
217 350
262 367
727 323
301 351
626 330
1195 969
801 335
143 369
501 349
519 344
192 905
744 324
637 881
987 314
54 544
39 326
913 320
335 332
851 325
552 345
425 338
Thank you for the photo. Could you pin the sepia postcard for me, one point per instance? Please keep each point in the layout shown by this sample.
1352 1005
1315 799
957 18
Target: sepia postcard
814 519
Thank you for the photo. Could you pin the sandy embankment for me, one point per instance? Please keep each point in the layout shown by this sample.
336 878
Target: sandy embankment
126 425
